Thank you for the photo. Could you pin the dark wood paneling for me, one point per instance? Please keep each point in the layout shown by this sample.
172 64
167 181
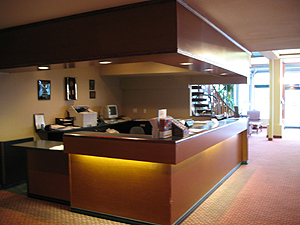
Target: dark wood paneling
200 39
48 174
152 192
132 147
138 29
106 178
194 177
126 188
194 145
152 31
146 148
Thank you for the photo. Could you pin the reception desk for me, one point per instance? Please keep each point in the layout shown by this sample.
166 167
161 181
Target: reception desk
138 179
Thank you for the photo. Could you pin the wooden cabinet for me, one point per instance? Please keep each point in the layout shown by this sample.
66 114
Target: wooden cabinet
48 170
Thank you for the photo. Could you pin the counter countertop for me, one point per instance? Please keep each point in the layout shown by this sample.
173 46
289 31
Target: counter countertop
199 128
139 147
42 145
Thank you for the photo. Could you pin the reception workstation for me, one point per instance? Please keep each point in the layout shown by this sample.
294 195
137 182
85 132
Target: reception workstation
153 61
138 179
112 173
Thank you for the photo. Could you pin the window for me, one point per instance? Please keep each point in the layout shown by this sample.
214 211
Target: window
260 98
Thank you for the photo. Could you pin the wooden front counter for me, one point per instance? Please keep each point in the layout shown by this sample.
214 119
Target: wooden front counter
48 171
133 178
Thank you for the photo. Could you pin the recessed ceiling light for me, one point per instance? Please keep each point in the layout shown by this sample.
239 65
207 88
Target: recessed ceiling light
223 74
43 67
105 62
208 70
186 63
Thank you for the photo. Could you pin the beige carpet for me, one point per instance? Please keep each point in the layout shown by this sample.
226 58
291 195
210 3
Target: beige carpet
267 191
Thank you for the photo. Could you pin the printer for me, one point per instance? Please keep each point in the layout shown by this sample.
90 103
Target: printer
83 116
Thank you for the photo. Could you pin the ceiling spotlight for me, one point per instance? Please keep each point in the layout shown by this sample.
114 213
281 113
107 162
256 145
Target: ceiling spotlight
223 74
208 70
186 63
105 62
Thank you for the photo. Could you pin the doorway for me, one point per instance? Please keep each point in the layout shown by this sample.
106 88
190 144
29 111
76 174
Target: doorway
292 107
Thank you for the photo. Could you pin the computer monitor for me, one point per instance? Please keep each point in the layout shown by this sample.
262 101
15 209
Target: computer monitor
111 111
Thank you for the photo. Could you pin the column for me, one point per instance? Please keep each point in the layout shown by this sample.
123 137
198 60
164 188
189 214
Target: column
275 127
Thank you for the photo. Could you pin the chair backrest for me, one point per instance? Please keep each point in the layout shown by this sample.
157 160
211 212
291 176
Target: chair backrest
253 115
136 130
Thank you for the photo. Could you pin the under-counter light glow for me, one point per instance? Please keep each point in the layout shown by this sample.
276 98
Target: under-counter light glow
105 62
186 64
124 166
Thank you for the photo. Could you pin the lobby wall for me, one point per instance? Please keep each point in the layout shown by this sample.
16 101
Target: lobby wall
19 98
148 94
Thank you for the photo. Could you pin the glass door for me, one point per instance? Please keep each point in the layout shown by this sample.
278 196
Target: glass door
292 95
292 107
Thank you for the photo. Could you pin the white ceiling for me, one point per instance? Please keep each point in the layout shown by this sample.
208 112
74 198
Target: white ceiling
258 25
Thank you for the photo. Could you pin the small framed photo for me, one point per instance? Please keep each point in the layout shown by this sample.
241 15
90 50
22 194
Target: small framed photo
92 84
39 121
44 89
92 94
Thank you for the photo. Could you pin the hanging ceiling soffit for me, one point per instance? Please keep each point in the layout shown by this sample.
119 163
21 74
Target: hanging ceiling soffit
164 32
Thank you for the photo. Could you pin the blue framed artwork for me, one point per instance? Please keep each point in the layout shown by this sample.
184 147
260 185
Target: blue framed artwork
44 89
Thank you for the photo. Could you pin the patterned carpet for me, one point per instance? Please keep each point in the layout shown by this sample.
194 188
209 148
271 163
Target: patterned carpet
264 192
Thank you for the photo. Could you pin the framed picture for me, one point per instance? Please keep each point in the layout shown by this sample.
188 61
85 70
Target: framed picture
39 121
71 88
92 84
44 89
92 94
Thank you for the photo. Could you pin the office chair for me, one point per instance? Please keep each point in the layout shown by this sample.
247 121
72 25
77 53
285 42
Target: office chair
254 121
136 130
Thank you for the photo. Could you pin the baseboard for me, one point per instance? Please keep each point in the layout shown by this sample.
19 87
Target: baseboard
49 199
110 217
